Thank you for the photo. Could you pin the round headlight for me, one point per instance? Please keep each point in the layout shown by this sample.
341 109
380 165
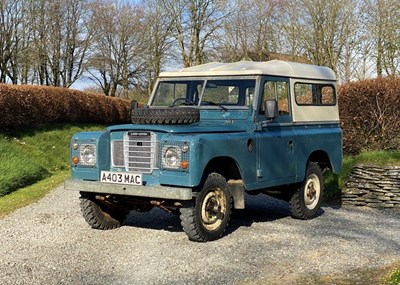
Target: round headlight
88 154
172 157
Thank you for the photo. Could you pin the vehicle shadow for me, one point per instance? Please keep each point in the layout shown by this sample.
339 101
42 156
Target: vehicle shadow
259 209
155 219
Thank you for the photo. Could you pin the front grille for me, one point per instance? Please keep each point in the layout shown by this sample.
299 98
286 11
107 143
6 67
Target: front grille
140 151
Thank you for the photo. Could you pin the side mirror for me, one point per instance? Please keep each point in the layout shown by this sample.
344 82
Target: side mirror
271 109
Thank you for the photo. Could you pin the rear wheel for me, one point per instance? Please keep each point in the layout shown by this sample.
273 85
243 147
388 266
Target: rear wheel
306 201
100 214
208 218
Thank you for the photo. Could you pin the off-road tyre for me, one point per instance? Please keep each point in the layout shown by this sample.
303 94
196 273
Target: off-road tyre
208 217
306 199
100 215
165 116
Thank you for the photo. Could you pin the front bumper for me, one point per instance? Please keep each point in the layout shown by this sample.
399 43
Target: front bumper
161 192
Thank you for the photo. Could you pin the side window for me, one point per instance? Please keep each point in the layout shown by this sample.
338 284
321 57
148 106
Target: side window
276 90
282 96
314 94
328 95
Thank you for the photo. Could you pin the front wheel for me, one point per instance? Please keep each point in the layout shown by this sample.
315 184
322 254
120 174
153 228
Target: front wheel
306 200
208 218
101 215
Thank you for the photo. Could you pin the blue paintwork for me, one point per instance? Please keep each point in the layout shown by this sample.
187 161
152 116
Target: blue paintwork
102 142
278 165
212 121
280 155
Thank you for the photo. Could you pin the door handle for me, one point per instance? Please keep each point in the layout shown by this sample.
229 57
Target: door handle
290 146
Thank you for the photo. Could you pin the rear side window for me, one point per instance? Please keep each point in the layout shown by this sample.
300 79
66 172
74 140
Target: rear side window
315 94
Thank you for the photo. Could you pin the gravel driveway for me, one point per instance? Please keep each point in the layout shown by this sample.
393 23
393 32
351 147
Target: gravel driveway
50 243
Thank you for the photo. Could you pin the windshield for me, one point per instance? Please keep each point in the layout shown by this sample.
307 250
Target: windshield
221 92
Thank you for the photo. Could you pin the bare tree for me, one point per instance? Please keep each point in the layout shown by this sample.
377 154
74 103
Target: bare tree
195 24
10 19
125 44
353 62
55 46
383 23
117 57
323 27
250 31
25 59
39 41
76 40
158 28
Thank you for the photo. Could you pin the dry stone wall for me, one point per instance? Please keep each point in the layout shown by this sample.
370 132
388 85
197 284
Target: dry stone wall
373 187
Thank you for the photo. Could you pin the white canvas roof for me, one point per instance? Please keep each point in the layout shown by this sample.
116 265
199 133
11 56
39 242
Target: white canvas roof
273 68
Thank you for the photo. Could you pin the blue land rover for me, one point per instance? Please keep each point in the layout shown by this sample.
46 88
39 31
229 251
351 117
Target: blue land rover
210 134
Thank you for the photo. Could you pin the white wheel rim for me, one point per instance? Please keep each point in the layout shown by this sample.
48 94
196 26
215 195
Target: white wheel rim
213 209
312 192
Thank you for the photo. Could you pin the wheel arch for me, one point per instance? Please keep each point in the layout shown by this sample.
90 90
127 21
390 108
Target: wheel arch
224 165
229 169
321 158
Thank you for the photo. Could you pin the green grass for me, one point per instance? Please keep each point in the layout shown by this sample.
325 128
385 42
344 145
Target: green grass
31 155
27 195
17 169
47 146
394 278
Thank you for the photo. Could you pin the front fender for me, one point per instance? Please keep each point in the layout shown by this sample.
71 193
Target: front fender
102 142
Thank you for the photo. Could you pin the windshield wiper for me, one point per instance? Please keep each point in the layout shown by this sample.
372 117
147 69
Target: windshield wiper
214 104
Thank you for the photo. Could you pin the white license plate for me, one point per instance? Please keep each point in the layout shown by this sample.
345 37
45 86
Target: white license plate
121 178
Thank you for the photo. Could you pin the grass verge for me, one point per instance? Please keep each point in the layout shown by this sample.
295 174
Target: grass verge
30 156
30 194
16 168
393 279
361 276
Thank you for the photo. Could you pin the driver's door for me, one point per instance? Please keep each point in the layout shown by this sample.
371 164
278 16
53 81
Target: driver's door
276 147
